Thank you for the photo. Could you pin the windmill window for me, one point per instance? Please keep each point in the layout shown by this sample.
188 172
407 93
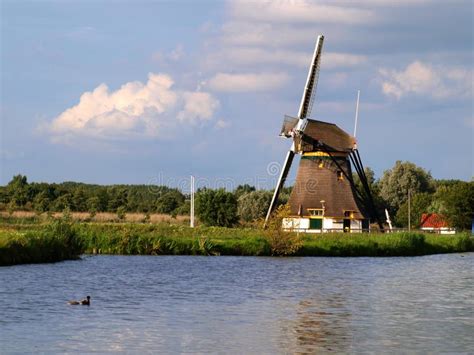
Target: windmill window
340 175
316 212
349 214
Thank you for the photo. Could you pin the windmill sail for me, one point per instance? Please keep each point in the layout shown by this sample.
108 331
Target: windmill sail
290 126
309 93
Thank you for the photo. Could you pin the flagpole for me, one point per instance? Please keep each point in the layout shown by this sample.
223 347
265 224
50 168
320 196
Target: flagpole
191 223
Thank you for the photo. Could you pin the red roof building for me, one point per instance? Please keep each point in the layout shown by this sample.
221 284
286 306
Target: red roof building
436 223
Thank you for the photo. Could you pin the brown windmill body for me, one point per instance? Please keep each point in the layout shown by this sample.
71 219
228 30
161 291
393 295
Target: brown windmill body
323 198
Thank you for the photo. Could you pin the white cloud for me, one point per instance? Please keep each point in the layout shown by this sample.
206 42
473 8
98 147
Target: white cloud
197 106
300 11
333 60
136 109
424 79
242 32
248 56
247 82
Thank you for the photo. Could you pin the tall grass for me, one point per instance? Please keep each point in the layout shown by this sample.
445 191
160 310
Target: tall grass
55 242
167 239
59 239
163 239
390 244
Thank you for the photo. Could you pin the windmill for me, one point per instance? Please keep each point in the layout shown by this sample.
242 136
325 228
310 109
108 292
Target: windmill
324 196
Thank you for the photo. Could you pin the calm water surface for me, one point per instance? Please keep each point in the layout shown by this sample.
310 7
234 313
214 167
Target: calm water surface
171 304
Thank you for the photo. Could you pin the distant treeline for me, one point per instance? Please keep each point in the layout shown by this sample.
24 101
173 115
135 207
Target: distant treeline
19 194
453 199
43 197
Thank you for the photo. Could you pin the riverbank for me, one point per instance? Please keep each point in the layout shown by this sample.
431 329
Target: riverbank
60 240
52 242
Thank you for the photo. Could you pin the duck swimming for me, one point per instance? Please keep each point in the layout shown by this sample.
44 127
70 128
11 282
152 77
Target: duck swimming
85 302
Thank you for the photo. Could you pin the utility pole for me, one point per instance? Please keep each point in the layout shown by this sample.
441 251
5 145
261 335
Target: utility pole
191 222
409 210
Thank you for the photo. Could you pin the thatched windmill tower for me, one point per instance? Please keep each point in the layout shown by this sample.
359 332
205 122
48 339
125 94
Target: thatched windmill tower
324 196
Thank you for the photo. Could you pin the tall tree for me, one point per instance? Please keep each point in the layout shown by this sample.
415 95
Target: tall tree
117 198
79 200
17 190
63 202
169 201
42 202
456 203
419 203
403 177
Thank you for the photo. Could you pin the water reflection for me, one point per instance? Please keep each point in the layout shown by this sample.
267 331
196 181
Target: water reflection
322 324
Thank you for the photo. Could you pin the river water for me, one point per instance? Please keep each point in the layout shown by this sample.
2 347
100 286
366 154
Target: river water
175 304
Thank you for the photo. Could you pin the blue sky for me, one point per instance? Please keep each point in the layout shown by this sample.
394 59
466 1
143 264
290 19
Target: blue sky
150 92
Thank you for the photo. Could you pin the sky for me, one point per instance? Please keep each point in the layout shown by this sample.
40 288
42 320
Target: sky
149 92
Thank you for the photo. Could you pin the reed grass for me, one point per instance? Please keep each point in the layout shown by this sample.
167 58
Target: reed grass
58 240
55 242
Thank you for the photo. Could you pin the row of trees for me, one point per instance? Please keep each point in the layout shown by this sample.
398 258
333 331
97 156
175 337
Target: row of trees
43 197
453 199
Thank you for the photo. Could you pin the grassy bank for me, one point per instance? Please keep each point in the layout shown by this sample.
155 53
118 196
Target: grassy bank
59 240
53 242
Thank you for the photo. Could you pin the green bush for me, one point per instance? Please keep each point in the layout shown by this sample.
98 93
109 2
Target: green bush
169 202
281 243
216 207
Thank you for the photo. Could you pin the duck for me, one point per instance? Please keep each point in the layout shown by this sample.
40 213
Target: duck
85 302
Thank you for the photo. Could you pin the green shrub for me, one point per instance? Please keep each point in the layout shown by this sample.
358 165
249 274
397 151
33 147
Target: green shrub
281 243
216 207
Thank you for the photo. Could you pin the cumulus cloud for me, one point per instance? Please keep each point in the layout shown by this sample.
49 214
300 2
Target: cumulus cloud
419 78
135 109
247 82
